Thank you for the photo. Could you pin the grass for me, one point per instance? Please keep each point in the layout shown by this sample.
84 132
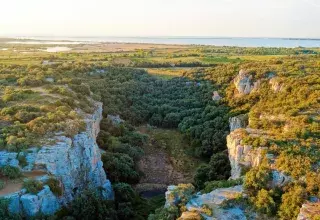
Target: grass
167 73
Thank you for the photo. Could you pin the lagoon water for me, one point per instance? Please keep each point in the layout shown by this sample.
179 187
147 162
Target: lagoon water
217 41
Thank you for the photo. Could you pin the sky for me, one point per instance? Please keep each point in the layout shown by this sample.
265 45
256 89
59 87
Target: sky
216 18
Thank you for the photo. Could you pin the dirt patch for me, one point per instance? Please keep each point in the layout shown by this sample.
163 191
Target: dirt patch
165 161
158 169
12 186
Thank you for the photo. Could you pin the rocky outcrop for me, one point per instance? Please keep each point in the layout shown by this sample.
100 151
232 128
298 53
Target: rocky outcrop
309 211
279 179
243 82
241 156
214 198
190 216
276 85
178 194
209 206
75 162
239 121
216 96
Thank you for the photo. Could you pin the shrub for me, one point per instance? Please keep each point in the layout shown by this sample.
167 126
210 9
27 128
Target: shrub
89 205
291 202
257 179
4 211
22 160
2 184
134 152
264 202
217 169
32 186
120 167
11 172
54 185
123 193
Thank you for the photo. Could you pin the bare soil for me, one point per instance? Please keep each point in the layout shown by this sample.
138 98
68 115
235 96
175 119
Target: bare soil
12 186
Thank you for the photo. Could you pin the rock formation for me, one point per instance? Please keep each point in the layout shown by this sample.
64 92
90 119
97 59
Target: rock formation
309 211
208 206
178 194
216 96
241 155
239 121
276 86
75 162
243 82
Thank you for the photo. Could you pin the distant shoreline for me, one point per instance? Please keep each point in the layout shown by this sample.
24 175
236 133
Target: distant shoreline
172 40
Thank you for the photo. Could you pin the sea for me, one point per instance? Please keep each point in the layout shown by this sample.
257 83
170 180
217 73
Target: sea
215 41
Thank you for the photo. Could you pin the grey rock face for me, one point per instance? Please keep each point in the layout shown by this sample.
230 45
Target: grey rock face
240 121
241 155
214 198
213 201
243 82
216 96
75 162
279 179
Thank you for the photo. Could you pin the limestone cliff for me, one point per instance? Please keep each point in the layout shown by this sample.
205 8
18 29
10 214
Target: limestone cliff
75 162
240 155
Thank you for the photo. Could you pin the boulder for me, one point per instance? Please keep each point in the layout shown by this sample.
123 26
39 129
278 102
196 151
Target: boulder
49 202
279 179
216 96
30 204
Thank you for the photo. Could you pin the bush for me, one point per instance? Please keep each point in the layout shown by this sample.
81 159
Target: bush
256 179
120 167
11 172
264 202
55 187
291 202
123 193
134 138
89 205
32 186
2 184
134 152
217 169
22 160
4 211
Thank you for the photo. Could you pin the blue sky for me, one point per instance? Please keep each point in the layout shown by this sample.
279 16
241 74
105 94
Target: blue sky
234 18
